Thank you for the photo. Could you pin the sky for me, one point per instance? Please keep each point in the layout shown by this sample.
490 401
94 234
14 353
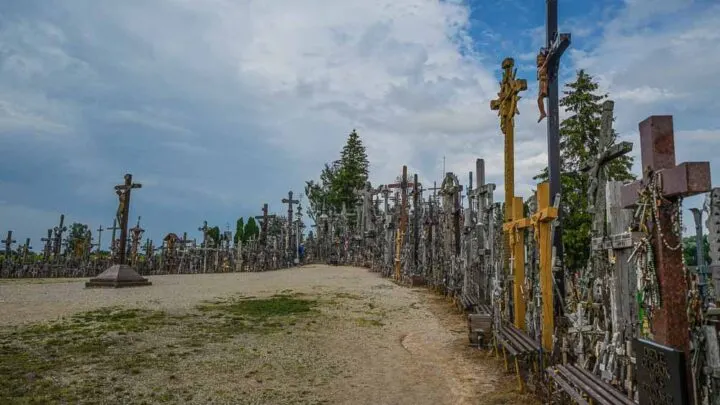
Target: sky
219 106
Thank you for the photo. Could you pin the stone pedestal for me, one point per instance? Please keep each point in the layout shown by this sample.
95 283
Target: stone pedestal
117 276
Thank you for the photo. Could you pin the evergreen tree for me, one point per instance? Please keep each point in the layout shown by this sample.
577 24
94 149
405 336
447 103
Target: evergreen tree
239 230
339 181
78 238
251 230
213 236
690 250
579 142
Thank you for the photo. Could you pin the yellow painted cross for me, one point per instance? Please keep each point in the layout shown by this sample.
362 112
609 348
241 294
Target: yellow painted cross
542 222
506 106
515 231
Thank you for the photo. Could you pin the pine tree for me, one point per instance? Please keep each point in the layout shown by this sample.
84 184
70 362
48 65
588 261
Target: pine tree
579 141
239 230
251 230
340 180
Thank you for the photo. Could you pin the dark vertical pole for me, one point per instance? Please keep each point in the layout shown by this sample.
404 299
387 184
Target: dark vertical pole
124 219
416 217
553 131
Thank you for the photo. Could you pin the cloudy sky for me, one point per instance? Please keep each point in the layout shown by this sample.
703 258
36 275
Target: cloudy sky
217 106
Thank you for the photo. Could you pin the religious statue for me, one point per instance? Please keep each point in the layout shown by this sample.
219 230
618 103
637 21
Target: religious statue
121 204
506 103
542 77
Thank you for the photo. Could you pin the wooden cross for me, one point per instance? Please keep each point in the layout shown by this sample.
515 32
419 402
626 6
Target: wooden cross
555 46
657 146
289 201
8 242
597 168
451 187
58 236
123 191
542 221
113 240
403 185
264 218
100 231
48 244
136 236
26 249
506 106
515 231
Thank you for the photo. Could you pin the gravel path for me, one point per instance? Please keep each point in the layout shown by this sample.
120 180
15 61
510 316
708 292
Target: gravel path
376 343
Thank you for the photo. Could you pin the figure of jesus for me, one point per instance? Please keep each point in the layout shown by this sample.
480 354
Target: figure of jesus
542 77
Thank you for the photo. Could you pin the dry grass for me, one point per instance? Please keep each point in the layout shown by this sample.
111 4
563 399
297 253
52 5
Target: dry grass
322 335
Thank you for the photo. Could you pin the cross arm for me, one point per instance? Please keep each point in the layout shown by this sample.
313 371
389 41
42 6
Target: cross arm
613 152
557 49
517 224
684 180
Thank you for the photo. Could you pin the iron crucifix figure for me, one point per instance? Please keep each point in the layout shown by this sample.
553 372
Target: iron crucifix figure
123 192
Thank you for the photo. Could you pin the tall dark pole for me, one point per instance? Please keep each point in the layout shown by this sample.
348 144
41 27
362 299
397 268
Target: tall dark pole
556 44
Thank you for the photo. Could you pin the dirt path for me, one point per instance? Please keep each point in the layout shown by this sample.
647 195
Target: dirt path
368 341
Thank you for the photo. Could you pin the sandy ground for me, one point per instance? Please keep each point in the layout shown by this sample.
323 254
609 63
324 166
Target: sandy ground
375 342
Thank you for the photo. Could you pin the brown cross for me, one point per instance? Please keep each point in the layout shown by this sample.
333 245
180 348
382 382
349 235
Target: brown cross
657 146
264 224
123 191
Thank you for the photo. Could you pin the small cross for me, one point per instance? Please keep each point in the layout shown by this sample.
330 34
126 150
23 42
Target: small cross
8 242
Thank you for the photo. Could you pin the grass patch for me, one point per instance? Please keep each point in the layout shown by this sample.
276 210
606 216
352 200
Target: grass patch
279 305
344 295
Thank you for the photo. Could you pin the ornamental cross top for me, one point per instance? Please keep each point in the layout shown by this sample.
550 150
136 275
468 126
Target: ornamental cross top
508 97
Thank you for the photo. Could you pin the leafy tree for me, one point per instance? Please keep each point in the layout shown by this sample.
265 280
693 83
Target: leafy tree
213 236
690 250
78 239
251 230
339 180
579 142
239 230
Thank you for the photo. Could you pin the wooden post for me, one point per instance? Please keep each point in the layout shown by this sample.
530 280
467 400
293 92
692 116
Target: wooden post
518 259
542 220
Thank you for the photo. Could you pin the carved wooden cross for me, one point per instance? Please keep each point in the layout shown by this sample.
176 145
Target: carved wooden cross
136 237
515 236
100 231
8 242
48 244
403 186
26 250
123 191
289 201
264 218
58 236
657 146
597 168
506 105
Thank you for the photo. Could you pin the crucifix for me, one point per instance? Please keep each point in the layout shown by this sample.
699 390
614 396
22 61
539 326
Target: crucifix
663 186
264 218
8 242
26 250
113 241
289 201
136 236
416 221
123 192
99 244
403 186
47 249
204 230
555 45
58 236
506 106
